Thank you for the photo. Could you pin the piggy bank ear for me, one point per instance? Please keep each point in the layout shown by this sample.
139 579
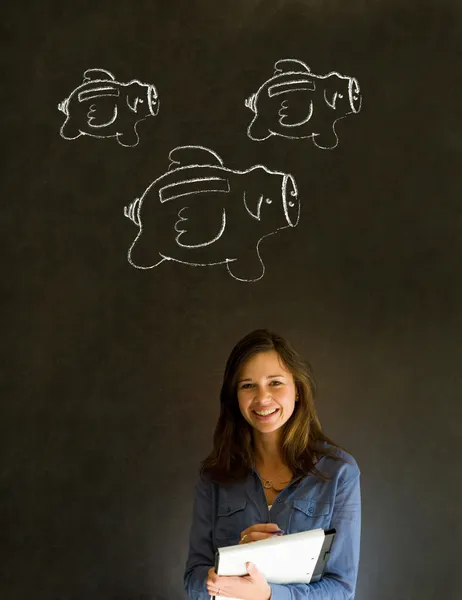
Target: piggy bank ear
133 97
253 204
334 89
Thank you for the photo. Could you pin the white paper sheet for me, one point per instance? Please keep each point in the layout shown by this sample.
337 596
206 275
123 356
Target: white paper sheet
282 559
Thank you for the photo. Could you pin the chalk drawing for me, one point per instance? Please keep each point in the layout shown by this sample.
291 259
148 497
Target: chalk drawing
201 213
102 107
295 103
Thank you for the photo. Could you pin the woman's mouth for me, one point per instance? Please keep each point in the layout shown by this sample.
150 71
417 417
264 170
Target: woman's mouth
266 415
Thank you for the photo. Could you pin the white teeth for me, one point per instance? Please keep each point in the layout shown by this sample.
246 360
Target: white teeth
264 413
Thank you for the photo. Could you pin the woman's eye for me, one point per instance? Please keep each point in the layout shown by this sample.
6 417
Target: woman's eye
276 383
246 386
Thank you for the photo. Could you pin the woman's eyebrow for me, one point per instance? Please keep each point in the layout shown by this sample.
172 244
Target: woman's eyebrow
269 377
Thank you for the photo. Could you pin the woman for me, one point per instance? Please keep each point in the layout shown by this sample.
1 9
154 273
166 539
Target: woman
272 471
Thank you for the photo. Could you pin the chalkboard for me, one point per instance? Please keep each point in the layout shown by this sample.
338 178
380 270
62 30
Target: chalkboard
177 174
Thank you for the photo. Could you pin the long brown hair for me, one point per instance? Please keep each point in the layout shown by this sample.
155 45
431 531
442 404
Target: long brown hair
302 441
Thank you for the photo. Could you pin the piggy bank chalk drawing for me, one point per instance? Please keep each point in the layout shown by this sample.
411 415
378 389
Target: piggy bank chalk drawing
103 107
202 213
295 103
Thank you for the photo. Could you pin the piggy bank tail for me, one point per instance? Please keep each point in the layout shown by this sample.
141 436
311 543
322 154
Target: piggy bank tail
132 212
251 102
62 106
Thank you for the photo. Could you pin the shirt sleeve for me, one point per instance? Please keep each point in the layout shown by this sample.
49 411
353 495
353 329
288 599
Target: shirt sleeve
339 579
201 554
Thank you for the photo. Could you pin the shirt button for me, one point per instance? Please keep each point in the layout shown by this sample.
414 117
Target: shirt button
310 510
278 500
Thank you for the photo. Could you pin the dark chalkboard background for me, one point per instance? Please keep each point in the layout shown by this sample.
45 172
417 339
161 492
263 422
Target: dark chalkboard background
111 374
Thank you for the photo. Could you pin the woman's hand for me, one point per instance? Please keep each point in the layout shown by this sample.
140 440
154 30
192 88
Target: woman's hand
252 586
260 531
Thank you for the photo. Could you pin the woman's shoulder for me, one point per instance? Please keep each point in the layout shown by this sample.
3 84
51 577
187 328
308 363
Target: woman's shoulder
206 481
203 481
338 464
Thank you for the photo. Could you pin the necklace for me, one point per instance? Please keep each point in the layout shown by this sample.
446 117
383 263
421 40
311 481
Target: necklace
268 483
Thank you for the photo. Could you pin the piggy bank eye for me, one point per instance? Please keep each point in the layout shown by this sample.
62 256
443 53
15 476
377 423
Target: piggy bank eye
141 101
340 95
291 204
268 200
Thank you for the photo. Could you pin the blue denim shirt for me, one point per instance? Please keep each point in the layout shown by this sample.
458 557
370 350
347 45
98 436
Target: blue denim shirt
221 512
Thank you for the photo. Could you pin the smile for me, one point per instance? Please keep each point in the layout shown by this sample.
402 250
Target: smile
266 414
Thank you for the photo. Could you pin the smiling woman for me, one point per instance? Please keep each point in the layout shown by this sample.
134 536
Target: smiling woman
266 398
272 470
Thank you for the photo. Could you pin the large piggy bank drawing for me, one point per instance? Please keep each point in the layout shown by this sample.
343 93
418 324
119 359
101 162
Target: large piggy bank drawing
201 213
296 103
103 107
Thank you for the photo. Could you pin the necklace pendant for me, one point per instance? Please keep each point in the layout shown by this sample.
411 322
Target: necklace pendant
267 483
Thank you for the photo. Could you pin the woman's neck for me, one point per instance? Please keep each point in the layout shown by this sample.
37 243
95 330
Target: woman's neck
267 453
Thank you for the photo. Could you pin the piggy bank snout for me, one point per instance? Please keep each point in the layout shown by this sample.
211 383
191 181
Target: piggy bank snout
153 100
290 200
142 99
354 93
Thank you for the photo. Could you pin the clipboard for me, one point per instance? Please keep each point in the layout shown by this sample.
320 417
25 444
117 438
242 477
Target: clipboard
293 558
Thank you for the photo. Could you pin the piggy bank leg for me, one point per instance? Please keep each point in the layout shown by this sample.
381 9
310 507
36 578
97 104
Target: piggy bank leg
143 253
128 137
325 137
257 130
144 264
70 130
248 266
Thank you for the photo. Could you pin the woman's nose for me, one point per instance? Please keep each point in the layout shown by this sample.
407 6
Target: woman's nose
263 394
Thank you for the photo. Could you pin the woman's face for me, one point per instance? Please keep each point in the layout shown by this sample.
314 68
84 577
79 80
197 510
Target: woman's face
265 385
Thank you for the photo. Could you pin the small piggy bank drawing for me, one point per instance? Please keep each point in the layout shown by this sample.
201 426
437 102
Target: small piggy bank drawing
295 103
103 107
202 213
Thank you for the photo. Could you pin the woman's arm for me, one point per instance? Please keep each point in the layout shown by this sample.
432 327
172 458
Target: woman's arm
201 556
339 580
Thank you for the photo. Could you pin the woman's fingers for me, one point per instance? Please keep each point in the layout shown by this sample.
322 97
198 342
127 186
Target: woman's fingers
255 536
261 528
